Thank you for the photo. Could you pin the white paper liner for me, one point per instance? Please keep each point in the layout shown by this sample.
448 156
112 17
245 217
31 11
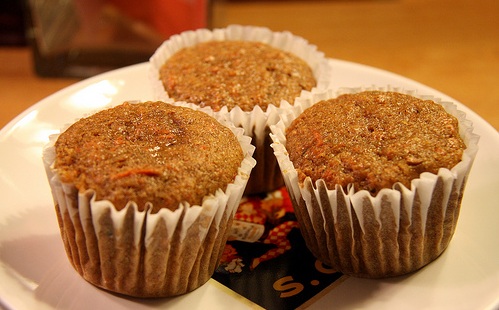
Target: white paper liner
404 212
266 175
132 252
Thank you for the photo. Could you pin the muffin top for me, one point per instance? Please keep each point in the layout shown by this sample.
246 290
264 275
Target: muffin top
148 152
235 73
373 140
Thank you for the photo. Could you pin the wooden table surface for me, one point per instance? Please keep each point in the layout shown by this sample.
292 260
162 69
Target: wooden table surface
449 45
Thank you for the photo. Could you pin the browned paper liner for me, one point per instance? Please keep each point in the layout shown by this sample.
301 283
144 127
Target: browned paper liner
140 253
266 175
398 231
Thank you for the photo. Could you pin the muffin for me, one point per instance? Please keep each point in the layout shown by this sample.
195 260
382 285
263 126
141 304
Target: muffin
243 72
145 193
235 73
376 177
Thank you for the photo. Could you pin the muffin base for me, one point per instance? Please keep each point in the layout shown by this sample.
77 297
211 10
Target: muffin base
137 253
382 243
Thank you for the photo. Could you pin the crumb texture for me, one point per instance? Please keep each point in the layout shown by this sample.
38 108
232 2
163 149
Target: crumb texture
148 152
372 140
235 73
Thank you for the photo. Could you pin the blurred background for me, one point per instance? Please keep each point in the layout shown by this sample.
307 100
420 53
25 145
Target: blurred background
450 45
80 38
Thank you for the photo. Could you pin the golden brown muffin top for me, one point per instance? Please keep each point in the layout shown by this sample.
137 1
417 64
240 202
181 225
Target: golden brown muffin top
235 73
148 152
372 140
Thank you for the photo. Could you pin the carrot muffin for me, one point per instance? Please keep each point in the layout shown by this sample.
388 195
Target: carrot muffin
377 177
144 193
235 73
244 72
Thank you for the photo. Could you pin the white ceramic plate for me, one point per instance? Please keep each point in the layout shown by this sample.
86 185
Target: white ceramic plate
35 273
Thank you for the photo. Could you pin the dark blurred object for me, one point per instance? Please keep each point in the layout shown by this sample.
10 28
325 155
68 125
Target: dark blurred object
81 38
12 23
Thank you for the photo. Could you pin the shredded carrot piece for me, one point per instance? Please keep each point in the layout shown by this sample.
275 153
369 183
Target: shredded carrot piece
318 138
127 173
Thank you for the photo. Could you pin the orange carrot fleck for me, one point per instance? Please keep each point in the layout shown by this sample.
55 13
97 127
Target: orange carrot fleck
148 172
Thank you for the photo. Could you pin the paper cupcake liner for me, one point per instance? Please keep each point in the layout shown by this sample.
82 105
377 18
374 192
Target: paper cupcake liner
144 254
398 231
266 175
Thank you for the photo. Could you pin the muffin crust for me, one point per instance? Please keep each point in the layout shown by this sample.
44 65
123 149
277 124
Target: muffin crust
235 73
148 152
373 140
